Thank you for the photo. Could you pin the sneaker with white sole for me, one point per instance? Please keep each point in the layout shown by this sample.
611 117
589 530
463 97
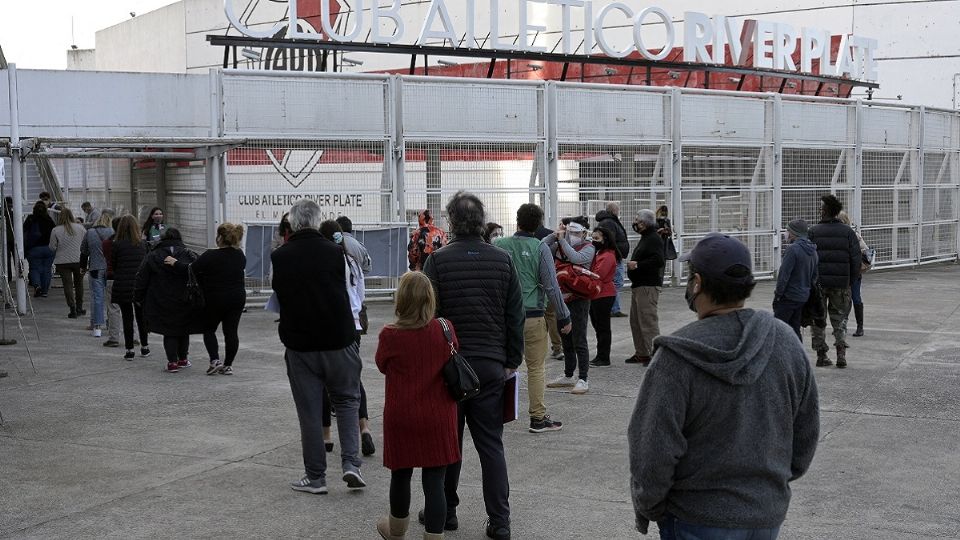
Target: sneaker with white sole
562 382
128 356
215 365
184 363
144 351
97 332
226 370
353 479
545 424
557 355
172 367
581 387
306 485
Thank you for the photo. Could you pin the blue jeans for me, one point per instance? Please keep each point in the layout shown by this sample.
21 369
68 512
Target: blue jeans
618 283
672 528
41 267
98 283
855 291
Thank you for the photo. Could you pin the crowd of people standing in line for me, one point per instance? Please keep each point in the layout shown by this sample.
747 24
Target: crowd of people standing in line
140 277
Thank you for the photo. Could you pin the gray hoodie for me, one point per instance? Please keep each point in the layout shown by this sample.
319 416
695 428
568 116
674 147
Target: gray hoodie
727 416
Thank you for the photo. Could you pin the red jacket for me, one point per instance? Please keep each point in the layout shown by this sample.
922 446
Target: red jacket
605 266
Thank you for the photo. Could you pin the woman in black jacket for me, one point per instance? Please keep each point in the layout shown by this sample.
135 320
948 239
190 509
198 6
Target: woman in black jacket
126 255
220 273
162 290
36 243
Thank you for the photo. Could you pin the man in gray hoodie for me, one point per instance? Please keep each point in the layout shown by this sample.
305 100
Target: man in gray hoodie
727 414
798 272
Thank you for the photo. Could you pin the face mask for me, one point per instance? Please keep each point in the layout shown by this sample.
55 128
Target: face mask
691 297
338 237
636 228
597 245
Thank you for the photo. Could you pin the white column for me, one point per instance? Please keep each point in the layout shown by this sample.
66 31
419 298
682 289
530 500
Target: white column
18 176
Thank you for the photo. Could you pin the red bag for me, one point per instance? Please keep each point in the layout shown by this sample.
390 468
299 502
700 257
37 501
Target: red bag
576 281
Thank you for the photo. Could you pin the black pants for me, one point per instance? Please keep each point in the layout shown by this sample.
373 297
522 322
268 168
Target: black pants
600 311
176 347
129 310
435 509
576 352
484 415
230 321
791 313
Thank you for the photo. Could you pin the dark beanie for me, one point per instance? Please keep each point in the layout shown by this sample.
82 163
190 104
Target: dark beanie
798 228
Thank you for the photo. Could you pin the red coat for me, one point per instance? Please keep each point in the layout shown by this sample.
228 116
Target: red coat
605 266
419 416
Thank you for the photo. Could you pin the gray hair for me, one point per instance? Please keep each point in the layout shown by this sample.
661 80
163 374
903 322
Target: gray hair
647 217
613 208
304 214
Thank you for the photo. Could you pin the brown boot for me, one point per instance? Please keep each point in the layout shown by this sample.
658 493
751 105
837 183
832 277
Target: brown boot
841 357
822 360
431 536
393 528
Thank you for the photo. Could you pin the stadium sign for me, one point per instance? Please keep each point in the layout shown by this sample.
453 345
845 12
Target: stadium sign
751 43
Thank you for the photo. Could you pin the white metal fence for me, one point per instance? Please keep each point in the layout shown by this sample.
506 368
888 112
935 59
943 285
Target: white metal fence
381 148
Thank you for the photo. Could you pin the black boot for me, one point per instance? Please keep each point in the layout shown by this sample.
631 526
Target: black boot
858 312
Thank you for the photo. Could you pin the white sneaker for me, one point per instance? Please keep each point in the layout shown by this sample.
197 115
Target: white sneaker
581 387
562 382
97 332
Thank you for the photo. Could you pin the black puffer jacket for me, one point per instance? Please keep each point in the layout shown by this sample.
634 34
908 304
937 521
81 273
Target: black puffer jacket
839 251
125 259
162 289
479 291
612 223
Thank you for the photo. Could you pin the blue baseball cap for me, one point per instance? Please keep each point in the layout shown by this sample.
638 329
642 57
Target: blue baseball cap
722 257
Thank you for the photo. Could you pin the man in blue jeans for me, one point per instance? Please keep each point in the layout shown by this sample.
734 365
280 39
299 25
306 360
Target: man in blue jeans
727 414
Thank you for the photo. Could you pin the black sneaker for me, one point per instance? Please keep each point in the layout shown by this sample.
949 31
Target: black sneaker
451 524
596 362
366 444
111 343
144 351
72 314
544 425
498 532
128 356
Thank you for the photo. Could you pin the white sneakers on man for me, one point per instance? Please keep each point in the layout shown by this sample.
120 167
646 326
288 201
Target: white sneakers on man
562 382
581 387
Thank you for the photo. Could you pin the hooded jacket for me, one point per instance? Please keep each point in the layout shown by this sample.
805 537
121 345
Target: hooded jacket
839 251
727 416
798 271
612 223
162 289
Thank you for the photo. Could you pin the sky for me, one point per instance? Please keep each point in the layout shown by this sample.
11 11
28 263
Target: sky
36 34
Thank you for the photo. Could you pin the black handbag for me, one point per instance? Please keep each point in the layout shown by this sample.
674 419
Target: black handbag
194 292
461 380
815 310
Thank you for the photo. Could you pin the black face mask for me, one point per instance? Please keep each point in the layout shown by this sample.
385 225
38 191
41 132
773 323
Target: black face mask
598 245
636 228
690 296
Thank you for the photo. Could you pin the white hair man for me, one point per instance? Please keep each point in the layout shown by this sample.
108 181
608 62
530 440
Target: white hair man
645 269
321 351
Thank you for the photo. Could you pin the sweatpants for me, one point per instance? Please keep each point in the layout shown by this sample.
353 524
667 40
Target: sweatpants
576 351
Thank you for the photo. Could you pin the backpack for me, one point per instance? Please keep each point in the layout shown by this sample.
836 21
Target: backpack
576 282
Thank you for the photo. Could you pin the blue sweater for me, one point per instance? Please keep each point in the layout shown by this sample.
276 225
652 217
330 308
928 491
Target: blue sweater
798 271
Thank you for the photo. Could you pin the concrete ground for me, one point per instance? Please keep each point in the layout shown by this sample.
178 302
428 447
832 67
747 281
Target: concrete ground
94 446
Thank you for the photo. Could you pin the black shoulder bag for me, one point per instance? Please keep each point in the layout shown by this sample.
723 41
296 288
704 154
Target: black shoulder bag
194 292
462 381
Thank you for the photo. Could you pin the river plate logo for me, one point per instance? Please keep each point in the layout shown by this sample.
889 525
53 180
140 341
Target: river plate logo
304 162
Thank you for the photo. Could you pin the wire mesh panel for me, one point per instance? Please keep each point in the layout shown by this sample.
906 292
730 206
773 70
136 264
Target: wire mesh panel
305 107
723 118
105 183
598 115
809 173
885 127
941 130
472 110
941 189
144 179
186 201
503 175
818 124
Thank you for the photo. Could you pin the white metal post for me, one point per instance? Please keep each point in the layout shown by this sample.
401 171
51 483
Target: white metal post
552 202
212 164
777 129
855 211
17 172
398 153
676 180
919 178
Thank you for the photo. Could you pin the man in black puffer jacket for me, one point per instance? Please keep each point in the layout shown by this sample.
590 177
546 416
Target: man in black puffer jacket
478 290
838 250
610 220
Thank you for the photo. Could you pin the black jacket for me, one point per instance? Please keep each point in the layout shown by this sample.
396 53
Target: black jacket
311 287
162 289
220 273
839 251
125 259
650 260
30 239
612 223
478 290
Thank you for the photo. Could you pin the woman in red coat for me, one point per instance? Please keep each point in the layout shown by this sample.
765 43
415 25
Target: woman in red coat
605 264
419 416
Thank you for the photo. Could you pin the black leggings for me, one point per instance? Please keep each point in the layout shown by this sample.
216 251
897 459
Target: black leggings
435 509
230 319
129 310
600 318
176 347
